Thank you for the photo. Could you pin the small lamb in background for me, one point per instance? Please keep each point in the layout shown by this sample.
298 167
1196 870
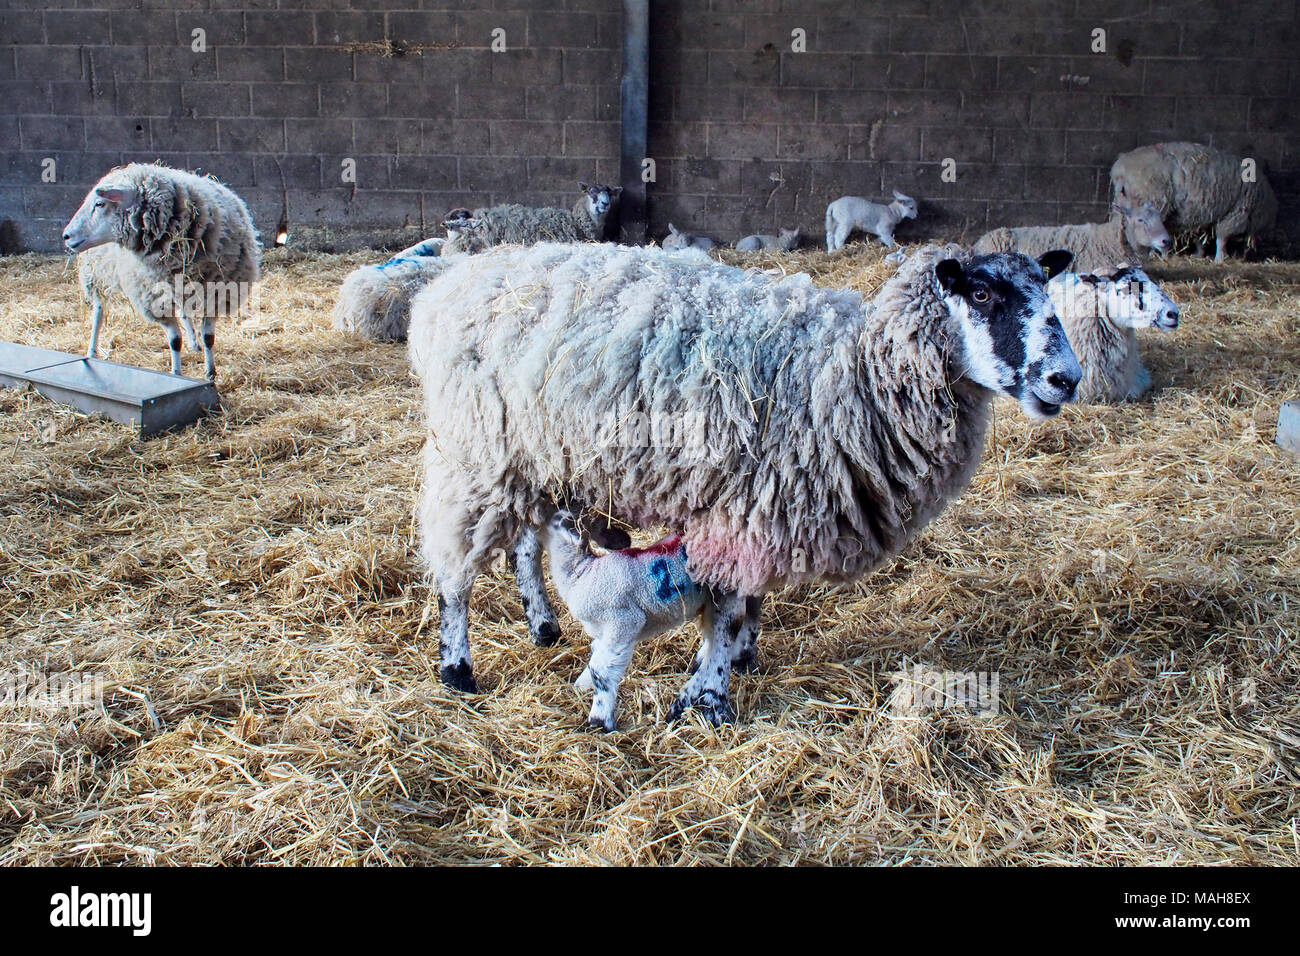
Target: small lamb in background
787 240
1101 313
848 213
621 598
685 240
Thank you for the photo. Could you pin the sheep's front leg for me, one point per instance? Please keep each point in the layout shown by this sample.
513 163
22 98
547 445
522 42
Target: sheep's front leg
209 339
1220 246
610 653
455 666
526 560
191 340
707 689
96 320
744 652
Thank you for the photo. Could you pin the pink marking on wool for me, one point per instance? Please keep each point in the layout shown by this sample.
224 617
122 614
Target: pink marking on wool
669 544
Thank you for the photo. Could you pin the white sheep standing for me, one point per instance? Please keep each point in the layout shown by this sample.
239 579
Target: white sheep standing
1101 313
186 244
1095 245
525 225
620 598
848 213
677 240
1196 187
834 429
786 241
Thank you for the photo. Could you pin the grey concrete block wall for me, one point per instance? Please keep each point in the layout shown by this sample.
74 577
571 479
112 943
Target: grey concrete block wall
746 133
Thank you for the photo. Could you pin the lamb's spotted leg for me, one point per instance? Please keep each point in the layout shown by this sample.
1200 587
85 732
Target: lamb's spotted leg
455 666
610 653
744 652
526 560
707 688
209 339
96 320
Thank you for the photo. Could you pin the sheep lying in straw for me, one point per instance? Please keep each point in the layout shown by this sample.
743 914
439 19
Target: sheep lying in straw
526 225
787 240
676 241
1101 313
834 429
1096 245
186 243
375 301
1196 187
621 598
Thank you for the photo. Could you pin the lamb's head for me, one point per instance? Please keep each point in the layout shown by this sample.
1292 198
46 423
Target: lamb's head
1143 226
788 239
675 239
1132 299
599 199
903 205
1011 338
103 216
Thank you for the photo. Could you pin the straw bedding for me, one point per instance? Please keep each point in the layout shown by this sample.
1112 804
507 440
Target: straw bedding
245 590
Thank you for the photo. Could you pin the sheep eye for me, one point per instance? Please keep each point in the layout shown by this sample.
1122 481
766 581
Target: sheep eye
980 295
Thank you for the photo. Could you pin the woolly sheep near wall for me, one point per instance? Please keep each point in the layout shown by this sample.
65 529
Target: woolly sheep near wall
1195 188
1100 314
869 417
177 231
526 225
1095 245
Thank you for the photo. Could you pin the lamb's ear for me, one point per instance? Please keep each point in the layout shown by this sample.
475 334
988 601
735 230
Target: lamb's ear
672 229
583 186
128 197
949 274
1056 261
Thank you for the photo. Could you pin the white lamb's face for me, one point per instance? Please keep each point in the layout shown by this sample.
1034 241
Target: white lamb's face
1134 300
1012 340
906 205
99 219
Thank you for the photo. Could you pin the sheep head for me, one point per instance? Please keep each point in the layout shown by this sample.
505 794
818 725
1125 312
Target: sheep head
1011 338
102 217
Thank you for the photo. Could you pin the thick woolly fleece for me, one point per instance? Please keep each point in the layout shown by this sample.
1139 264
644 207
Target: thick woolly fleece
1195 187
1096 245
526 225
832 430
375 301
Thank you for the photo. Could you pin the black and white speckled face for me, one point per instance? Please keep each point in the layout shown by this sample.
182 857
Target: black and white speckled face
457 221
1012 339
1133 299
599 198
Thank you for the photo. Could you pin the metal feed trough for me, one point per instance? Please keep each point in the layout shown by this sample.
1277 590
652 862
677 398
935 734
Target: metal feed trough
155 401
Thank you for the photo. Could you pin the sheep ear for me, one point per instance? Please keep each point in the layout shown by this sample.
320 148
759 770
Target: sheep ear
1056 261
949 274
672 229
125 196
583 186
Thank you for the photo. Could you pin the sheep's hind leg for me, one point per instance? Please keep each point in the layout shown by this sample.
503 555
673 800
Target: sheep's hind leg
610 653
173 340
454 664
744 652
707 689
526 561
191 339
209 339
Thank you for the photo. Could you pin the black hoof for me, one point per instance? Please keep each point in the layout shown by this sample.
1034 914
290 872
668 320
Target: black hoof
605 728
746 663
716 710
546 634
460 677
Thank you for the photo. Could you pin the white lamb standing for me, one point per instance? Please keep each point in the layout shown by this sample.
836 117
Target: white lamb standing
835 428
1131 229
150 232
1196 187
1101 313
849 213
525 225
620 598
786 241
677 240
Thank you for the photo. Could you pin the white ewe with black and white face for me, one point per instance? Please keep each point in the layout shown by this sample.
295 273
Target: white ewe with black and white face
1012 338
